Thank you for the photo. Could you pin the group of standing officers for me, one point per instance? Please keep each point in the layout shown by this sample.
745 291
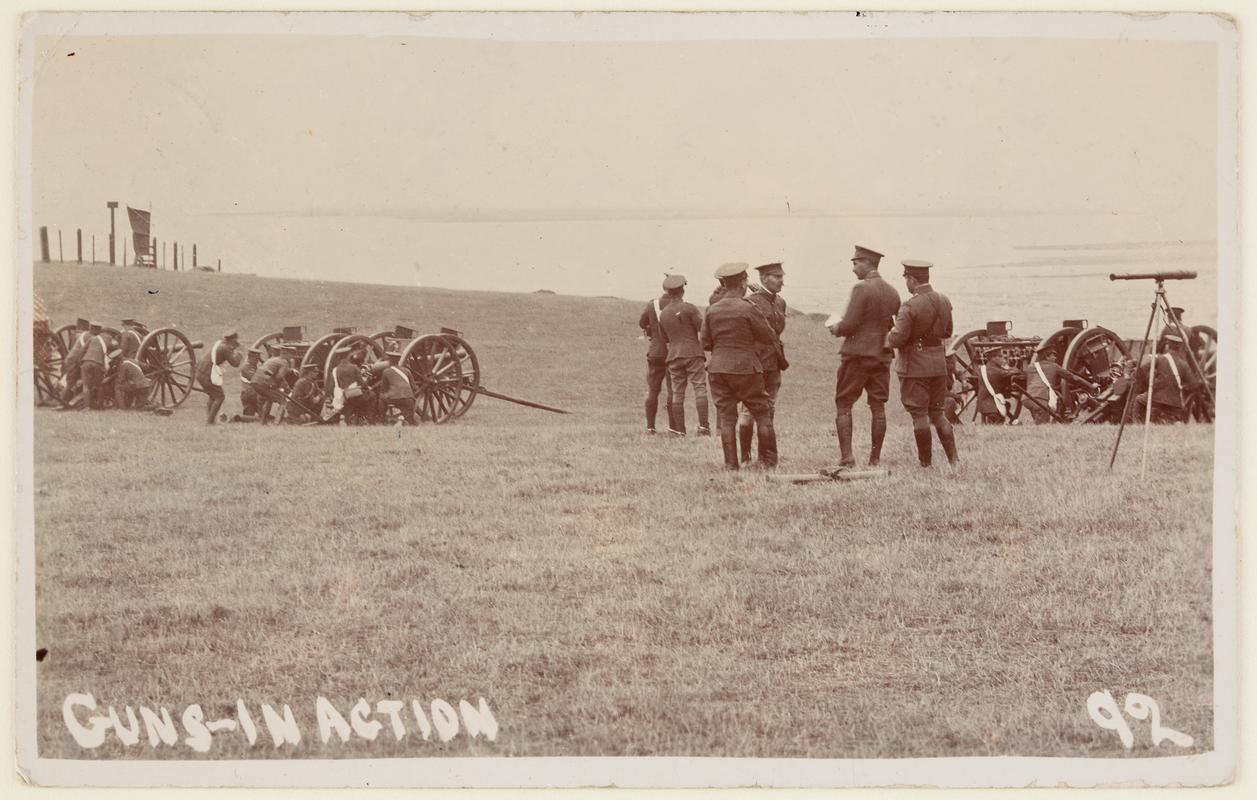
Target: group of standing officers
743 336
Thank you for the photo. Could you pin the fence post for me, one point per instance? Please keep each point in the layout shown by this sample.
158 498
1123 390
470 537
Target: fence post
194 255
60 247
220 265
93 248
112 206
43 243
79 232
174 255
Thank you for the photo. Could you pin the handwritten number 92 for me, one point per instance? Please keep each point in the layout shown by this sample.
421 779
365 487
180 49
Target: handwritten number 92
1103 710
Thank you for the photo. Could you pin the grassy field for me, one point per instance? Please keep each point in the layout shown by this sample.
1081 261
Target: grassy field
607 593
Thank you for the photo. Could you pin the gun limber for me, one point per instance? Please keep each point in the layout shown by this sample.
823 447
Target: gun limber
831 474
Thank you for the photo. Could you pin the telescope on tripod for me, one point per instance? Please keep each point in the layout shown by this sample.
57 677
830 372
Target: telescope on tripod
1160 304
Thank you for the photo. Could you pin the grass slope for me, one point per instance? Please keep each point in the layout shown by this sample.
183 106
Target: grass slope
606 593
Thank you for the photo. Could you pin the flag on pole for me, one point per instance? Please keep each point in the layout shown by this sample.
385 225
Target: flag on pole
140 228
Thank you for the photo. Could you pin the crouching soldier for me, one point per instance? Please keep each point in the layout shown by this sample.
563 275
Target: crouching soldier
306 399
132 388
397 390
248 395
270 382
995 385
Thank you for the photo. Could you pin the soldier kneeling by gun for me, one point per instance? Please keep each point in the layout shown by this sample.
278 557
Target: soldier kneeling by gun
269 383
132 388
305 400
395 388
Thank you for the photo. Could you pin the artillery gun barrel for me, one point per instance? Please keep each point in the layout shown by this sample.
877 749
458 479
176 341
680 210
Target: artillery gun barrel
1179 275
516 400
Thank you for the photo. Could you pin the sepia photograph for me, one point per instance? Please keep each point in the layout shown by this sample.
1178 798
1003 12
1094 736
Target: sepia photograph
635 399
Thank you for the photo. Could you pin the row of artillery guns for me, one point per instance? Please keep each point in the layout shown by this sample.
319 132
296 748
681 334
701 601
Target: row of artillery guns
1095 353
444 366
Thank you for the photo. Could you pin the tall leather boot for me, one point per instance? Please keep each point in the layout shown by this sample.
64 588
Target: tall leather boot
729 444
925 449
879 435
947 438
843 424
745 434
676 419
767 436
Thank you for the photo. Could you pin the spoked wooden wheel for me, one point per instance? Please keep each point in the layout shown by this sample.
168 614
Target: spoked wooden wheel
346 345
49 355
166 356
1058 342
1094 354
317 354
437 369
960 363
270 344
1204 345
470 368
390 342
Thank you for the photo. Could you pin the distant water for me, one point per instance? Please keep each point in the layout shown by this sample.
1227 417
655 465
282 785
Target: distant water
1034 270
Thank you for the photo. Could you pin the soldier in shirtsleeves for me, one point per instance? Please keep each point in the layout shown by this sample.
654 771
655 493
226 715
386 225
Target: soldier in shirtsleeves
656 361
679 327
768 301
210 372
733 330
94 365
923 323
864 367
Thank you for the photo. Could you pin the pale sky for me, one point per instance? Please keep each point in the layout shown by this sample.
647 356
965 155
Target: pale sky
594 167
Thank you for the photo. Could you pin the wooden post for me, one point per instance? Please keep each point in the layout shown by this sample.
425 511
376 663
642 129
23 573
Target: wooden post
93 248
60 247
43 243
163 255
220 265
112 206
174 256
79 232
194 255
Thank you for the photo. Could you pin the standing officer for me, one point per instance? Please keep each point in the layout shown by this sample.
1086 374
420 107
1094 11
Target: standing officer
209 373
656 359
922 325
732 331
768 301
94 365
865 360
679 327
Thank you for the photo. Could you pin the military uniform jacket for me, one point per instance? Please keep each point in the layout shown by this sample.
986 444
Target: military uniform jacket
305 393
869 317
733 331
346 374
96 350
131 376
1001 381
681 324
922 325
75 355
271 374
1056 376
1168 390
649 323
398 384
773 307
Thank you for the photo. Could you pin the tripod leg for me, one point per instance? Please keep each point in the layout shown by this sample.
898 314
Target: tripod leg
1130 391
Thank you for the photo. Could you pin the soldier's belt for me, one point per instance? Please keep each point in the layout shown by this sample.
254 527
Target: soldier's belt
922 343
